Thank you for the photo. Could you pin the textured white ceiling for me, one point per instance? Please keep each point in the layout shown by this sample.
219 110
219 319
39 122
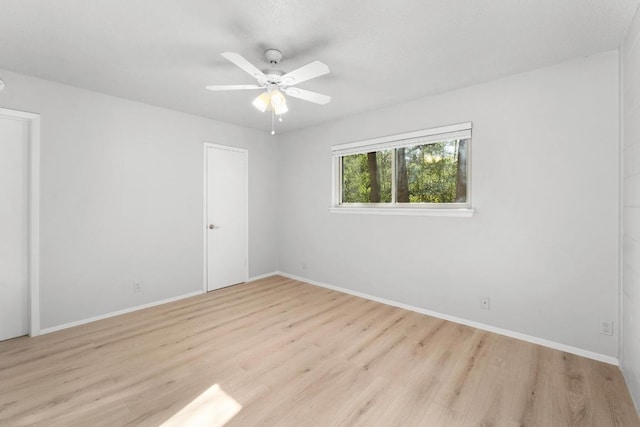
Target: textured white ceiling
380 52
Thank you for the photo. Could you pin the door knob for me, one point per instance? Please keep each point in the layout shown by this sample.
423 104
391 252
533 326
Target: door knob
211 226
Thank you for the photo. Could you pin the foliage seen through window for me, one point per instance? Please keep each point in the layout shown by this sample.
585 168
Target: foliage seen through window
434 173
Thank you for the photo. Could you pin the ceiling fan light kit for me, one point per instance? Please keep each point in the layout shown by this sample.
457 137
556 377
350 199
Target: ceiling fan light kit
275 83
262 102
271 100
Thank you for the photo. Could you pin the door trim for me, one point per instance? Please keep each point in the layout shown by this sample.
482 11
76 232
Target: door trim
33 185
205 222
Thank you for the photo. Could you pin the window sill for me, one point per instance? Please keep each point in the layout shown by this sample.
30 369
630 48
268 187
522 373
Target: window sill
402 211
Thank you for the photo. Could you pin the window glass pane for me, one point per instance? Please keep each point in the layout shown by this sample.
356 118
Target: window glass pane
366 177
432 173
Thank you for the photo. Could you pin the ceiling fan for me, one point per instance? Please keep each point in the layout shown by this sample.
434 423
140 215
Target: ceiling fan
274 82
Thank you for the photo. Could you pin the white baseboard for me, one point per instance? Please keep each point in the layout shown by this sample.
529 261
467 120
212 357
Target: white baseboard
524 337
631 381
117 313
138 307
262 276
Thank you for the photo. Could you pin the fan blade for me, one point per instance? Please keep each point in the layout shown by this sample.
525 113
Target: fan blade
306 72
307 95
233 87
247 66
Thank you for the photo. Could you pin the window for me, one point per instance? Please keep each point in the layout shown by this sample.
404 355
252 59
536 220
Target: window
424 172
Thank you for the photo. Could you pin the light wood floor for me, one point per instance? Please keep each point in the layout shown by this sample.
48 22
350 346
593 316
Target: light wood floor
292 354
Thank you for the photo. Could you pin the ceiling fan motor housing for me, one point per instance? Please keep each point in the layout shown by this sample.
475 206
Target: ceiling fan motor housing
273 75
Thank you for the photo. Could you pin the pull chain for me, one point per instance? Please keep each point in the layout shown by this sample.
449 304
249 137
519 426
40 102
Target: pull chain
273 129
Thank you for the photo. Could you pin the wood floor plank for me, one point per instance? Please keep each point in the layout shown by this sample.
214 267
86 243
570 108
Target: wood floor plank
278 352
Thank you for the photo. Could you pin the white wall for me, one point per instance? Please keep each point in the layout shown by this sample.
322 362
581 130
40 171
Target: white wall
543 244
121 198
631 212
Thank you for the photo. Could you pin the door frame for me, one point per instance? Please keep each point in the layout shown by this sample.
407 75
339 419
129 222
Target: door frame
33 204
205 220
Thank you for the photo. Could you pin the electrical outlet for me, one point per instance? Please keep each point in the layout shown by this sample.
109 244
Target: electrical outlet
137 287
485 303
606 327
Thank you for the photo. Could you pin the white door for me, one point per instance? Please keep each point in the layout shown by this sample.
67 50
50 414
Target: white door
14 217
226 214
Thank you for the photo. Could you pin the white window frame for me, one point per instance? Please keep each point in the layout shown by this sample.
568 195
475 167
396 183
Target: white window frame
456 131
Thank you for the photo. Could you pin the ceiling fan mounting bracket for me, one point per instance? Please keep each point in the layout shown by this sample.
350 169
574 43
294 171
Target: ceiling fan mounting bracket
273 56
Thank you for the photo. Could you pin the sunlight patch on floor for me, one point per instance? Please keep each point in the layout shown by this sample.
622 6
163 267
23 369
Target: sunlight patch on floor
213 408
